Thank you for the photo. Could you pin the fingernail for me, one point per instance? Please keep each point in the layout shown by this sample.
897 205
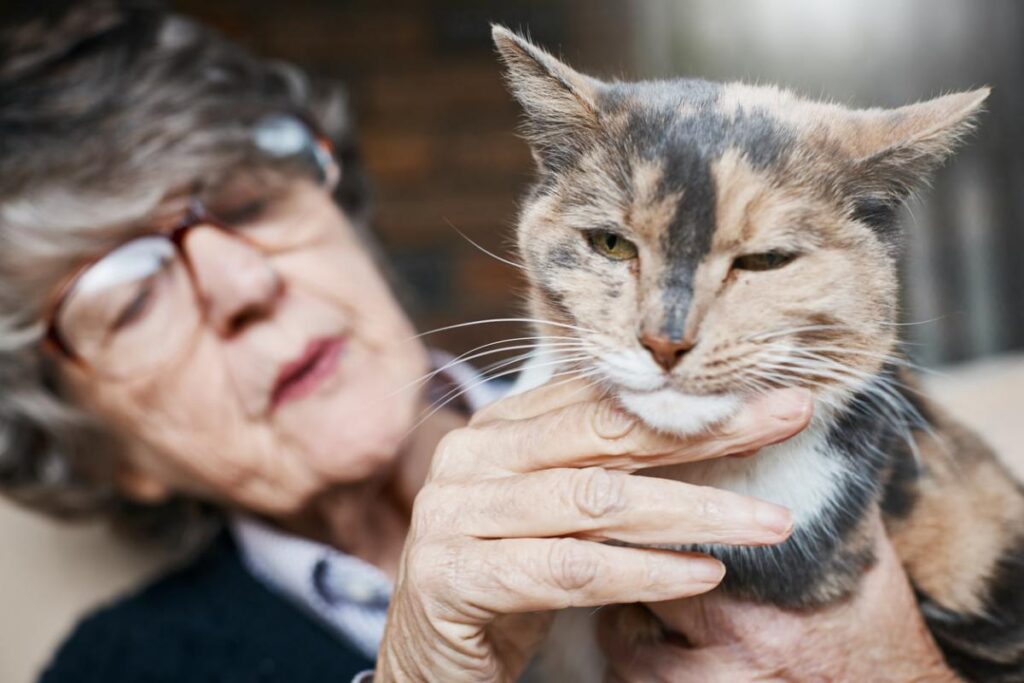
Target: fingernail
774 518
789 404
707 570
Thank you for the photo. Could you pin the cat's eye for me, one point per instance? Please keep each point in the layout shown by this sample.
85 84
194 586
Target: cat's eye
611 245
768 260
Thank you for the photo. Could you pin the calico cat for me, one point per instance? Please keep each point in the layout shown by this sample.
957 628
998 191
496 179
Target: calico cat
711 241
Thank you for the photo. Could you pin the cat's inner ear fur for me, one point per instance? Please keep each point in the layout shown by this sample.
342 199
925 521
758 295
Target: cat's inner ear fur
897 150
560 103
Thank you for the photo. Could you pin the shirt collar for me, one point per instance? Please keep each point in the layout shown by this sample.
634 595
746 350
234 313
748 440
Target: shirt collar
299 566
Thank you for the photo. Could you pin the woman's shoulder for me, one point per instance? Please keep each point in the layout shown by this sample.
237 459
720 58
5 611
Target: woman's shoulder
209 620
176 612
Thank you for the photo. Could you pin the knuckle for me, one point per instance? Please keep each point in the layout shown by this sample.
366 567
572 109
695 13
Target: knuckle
572 565
609 421
426 507
454 447
439 507
529 437
727 437
434 567
741 429
653 572
420 558
596 492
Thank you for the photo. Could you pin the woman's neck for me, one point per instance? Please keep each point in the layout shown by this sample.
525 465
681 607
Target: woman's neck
369 520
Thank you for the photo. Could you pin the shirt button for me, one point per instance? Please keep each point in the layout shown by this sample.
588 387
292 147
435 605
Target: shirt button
334 585
360 590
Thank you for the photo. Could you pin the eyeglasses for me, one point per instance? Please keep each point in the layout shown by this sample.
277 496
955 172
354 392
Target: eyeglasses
129 311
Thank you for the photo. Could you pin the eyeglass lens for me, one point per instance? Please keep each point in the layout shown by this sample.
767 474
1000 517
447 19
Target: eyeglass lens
131 308
136 307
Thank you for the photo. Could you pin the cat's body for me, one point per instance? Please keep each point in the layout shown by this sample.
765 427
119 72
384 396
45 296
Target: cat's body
708 242
952 510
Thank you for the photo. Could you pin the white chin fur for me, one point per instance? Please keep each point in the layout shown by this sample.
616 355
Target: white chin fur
676 413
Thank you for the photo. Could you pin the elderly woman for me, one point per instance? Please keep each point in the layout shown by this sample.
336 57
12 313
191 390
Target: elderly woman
193 330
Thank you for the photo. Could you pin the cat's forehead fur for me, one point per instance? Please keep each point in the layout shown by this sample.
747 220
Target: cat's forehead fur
683 165
668 149
665 137
683 124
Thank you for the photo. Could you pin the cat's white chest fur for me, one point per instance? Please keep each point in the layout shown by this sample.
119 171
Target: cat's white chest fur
800 474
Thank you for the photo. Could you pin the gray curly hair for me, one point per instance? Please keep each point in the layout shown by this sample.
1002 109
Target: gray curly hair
105 107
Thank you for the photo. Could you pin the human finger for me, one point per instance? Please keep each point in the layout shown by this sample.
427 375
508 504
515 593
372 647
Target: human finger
512 576
600 504
602 434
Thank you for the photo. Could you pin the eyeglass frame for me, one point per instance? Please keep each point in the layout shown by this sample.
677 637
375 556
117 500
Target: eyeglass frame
195 214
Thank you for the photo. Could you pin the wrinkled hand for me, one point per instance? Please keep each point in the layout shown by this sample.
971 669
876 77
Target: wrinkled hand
509 524
878 635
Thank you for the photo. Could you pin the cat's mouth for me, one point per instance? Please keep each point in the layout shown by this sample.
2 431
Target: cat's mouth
656 398
676 412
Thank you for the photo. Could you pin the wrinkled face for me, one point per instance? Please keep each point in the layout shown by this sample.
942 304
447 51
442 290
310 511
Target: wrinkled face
289 385
703 242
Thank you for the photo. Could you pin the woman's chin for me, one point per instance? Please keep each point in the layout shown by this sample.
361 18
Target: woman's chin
347 440
353 426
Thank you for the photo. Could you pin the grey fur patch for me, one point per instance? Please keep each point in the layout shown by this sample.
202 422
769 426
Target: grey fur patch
678 126
563 255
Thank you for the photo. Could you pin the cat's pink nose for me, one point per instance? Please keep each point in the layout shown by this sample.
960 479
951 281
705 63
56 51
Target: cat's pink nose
666 352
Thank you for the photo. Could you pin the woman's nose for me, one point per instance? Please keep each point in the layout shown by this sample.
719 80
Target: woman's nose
235 282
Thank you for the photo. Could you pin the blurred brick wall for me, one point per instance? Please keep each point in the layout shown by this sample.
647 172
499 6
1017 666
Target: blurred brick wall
437 127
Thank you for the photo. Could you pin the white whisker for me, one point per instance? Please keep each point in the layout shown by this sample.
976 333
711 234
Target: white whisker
886 357
880 394
490 321
772 334
489 253
490 374
477 352
459 391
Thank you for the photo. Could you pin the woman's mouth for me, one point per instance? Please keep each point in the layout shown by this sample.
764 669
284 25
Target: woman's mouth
300 377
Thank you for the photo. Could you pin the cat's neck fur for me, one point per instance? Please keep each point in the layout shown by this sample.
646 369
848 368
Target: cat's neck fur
830 476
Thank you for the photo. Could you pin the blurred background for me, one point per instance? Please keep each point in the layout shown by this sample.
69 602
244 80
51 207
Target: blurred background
438 134
438 127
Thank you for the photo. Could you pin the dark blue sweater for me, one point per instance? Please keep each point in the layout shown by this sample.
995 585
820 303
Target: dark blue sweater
209 622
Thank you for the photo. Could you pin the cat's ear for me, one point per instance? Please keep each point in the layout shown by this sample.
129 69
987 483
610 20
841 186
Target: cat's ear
899 149
560 103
